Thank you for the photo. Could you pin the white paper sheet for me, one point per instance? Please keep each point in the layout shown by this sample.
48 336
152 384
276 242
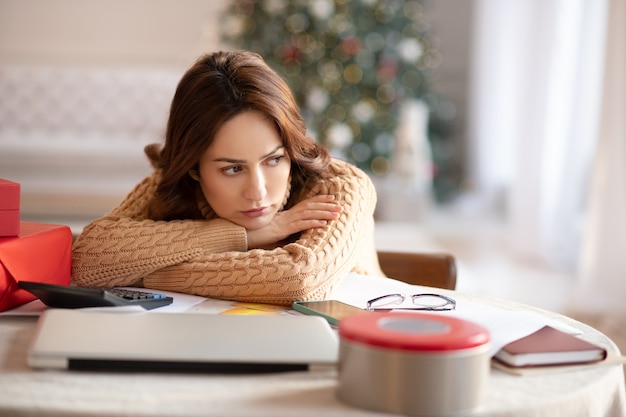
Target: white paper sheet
504 325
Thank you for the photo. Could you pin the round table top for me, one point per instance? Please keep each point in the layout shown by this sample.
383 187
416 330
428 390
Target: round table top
596 390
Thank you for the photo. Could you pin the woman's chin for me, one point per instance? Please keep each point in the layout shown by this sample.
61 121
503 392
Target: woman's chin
252 224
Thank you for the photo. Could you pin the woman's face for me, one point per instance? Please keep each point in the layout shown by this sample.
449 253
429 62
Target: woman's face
244 173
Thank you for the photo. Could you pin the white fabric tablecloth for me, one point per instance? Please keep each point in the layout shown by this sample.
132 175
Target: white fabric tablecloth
594 390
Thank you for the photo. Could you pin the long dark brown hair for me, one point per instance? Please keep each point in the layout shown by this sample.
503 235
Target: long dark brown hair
215 89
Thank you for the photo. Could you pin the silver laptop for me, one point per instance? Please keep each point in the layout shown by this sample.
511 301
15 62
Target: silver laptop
89 340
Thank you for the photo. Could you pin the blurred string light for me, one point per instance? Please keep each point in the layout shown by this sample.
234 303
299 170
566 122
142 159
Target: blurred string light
350 64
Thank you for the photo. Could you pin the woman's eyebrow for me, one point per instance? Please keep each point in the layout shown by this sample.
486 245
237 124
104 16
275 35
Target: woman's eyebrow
242 161
272 152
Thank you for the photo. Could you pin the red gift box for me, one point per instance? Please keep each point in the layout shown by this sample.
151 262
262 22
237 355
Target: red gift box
41 253
9 208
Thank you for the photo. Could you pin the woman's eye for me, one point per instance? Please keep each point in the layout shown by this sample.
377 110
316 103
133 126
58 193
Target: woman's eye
232 170
275 160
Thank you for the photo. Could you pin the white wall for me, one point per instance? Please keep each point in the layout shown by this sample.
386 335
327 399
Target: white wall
85 84
107 32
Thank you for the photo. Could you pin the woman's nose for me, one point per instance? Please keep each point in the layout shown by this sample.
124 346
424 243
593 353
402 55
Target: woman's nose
255 187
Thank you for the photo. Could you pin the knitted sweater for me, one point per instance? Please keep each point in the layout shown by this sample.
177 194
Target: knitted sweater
211 258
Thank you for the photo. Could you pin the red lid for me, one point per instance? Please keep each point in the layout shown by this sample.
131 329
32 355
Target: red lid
413 331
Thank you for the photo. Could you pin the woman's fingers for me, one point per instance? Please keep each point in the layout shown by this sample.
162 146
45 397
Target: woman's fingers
320 207
308 214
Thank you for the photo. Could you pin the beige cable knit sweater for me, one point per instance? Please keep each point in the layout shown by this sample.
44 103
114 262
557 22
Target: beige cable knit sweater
210 257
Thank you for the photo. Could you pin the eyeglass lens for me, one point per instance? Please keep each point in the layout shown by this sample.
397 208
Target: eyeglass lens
420 301
430 300
385 300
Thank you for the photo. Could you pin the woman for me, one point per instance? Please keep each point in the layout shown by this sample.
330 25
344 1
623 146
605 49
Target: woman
242 205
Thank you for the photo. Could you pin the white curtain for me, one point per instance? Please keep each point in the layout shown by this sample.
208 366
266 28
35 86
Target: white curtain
548 135
602 274
536 94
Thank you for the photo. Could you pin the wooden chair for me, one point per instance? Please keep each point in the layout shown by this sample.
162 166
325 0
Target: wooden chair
428 269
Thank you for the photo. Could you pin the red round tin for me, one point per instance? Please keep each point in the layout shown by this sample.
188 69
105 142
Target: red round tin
413 363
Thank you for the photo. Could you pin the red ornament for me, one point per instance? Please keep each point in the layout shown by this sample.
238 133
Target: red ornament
387 70
351 46
290 54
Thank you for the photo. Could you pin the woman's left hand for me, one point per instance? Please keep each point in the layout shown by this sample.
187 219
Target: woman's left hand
307 214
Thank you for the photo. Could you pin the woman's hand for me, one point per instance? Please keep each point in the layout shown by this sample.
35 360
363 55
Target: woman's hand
307 214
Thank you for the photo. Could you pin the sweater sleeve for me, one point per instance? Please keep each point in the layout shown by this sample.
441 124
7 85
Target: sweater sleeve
124 246
309 268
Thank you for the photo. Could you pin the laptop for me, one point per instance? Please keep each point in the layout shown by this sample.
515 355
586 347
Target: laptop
186 342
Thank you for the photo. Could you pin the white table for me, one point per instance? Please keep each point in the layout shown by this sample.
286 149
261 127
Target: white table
582 391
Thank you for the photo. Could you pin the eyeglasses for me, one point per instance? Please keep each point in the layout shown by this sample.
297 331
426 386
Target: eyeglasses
429 302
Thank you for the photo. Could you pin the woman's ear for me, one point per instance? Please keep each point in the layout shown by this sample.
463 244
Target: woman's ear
194 174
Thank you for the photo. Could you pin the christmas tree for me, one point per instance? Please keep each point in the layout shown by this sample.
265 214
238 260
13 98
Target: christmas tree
350 64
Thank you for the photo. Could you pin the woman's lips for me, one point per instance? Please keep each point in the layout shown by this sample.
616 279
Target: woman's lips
255 212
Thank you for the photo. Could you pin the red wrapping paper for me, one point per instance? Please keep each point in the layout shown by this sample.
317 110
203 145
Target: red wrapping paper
41 252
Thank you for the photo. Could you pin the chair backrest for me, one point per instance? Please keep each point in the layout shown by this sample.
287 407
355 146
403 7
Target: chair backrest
428 269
